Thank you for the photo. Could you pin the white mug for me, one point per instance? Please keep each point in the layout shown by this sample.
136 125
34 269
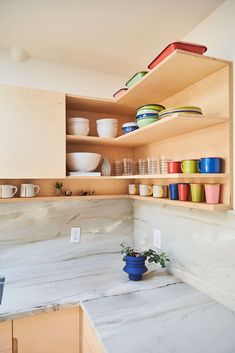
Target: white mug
133 189
160 191
145 190
6 191
29 190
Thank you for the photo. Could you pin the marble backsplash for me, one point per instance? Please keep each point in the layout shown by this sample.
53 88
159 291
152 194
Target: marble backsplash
39 232
200 245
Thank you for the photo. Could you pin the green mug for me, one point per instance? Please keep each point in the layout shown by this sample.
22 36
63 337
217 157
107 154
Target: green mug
189 166
197 192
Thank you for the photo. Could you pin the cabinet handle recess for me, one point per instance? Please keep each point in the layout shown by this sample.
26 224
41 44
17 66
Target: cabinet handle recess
14 345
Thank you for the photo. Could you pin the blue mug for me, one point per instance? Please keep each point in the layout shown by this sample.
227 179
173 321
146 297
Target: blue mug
173 189
209 165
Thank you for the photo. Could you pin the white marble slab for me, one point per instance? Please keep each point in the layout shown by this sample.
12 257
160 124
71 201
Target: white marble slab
173 319
67 281
200 245
36 221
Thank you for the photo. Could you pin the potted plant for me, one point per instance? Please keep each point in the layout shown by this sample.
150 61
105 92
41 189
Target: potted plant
135 261
58 186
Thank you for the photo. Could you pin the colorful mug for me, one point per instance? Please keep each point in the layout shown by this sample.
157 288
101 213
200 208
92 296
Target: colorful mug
183 190
173 191
133 189
196 192
160 191
174 167
145 190
212 192
209 165
189 166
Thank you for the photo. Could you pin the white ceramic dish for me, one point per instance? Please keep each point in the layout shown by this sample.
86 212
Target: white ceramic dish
107 127
106 121
79 129
82 161
77 119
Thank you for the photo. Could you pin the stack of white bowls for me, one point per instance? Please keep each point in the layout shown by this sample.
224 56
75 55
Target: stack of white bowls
107 127
78 126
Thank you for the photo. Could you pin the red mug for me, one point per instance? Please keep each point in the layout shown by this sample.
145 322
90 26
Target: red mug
174 167
183 191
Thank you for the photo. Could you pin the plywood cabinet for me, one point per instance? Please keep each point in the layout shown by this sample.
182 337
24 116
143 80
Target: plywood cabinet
50 332
6 337
91 342
32 133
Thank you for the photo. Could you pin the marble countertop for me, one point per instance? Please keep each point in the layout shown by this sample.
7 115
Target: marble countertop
69 281
173 319
159 313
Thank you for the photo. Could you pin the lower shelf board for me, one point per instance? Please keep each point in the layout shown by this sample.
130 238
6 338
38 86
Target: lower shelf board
59 198
188 204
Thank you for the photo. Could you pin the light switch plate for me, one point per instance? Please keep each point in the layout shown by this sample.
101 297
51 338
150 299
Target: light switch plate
75 235
157 239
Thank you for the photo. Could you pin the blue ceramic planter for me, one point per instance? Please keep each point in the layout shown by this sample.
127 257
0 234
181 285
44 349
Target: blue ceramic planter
135 267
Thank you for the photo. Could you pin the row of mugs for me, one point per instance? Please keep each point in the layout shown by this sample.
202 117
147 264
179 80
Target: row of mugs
203 165
26 190
179 191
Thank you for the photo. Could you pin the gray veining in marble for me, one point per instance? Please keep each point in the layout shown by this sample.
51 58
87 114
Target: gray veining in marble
36 221
173 319
64 282
200 245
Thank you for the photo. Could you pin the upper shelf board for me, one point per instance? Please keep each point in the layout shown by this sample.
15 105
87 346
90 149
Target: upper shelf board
179 70
160 130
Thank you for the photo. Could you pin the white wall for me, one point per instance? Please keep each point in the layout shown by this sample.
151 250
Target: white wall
57 77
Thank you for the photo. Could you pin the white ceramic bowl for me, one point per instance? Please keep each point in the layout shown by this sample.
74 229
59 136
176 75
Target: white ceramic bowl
106 121
107 127
77 120
82 161
79 129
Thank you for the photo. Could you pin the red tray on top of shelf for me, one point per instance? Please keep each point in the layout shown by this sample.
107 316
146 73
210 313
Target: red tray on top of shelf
191 47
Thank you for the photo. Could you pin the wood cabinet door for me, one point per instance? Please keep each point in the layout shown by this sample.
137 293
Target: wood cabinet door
32 133
6 337
55 332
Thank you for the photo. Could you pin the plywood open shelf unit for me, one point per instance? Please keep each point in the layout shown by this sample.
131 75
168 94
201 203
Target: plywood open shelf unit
163 129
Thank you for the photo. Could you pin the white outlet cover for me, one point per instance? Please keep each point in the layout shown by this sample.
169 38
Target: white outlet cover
157 239
75 235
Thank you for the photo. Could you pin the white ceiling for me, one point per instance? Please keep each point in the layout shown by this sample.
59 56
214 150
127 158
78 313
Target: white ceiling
118 37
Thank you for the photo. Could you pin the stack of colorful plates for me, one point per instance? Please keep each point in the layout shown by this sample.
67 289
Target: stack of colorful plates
186 111
148 114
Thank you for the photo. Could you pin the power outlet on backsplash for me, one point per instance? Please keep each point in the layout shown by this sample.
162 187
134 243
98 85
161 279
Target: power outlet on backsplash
75 235
157 238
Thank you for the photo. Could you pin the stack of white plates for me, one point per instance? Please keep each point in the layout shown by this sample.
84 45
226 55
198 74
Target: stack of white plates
78 126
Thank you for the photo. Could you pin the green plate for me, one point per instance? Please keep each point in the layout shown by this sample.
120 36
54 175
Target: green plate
136 78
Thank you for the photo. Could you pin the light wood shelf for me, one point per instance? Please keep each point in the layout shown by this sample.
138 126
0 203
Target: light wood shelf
153 176
168 127
59 198
188 204
178 71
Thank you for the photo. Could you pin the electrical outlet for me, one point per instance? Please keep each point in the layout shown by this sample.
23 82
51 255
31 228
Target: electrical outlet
75 235
157 241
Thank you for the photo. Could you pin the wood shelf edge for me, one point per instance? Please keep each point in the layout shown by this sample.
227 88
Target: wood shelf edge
188 204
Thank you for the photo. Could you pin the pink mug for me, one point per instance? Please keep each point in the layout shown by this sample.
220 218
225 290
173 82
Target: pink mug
212 192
